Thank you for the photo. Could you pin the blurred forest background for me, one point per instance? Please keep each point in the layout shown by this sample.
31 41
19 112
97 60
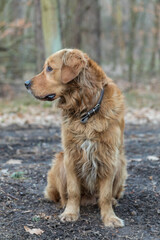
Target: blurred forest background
123 36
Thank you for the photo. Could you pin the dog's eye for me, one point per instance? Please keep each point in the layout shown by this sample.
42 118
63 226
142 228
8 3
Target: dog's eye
49 69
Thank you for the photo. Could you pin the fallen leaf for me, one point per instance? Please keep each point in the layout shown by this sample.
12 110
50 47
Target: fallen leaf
135 159
27 211
5 171
36 231
14 161
152 158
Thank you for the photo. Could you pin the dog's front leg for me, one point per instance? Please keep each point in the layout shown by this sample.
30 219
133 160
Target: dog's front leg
105 201
71 212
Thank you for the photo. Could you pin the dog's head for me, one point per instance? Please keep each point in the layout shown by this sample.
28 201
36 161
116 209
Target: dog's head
59 70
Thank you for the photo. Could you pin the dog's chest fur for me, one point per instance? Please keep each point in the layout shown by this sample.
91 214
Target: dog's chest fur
89 165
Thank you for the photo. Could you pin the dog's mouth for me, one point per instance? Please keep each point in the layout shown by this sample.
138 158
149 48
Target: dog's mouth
49 97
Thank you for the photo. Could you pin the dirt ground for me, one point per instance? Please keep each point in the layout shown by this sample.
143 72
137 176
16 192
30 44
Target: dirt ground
25 157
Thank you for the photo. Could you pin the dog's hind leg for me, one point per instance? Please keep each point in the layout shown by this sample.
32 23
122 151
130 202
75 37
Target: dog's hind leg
51 193
56 181
120 177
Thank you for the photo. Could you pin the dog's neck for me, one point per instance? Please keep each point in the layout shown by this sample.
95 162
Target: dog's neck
76 103
78 108
84 92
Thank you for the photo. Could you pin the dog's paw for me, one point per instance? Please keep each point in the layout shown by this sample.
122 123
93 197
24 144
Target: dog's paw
68 217
113 221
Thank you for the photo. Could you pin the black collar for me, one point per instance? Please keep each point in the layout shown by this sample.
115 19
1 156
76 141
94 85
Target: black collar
94 110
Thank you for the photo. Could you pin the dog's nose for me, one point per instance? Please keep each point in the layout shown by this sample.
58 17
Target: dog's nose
28 84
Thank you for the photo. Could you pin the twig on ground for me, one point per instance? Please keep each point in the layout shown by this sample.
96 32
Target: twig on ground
9 195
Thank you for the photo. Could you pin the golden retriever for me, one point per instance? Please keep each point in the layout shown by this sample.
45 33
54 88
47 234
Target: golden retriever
92 165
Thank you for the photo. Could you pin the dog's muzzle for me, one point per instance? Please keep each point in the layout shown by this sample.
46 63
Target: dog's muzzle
49 97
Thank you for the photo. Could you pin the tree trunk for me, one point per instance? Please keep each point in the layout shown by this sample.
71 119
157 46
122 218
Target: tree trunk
144 40
39 41
155 36
133 17
117 34
114 35
91 29
16 63
77 40
60 19
81 27
120 37
97 37
51 27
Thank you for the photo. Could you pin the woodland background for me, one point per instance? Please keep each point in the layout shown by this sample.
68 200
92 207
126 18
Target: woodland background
123 36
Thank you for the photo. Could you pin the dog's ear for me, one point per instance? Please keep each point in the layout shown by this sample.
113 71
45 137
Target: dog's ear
73 63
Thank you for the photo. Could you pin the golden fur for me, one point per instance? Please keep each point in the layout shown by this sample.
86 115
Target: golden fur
93 164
